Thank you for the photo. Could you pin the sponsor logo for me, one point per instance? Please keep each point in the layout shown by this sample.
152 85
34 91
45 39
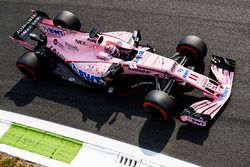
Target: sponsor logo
138 56
173 68
141 84
27 22
185 74
139 70
81 42
225 94
92 40
71 47
26 31
211 86
88 77
53 31
55 41
100 69
204 82
29 28
180 70
195 121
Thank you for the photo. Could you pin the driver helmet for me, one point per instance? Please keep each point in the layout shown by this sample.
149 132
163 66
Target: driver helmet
111 49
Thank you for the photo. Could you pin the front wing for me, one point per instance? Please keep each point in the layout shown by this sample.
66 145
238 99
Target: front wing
200 113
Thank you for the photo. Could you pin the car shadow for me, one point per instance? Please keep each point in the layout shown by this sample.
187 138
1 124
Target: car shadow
106 107
192 134
153 135
186 131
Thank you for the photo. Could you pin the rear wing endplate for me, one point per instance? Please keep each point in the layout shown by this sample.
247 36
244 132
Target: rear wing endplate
24 30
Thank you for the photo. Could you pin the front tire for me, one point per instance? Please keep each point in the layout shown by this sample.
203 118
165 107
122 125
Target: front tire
159 105
193 47
68 20
29 65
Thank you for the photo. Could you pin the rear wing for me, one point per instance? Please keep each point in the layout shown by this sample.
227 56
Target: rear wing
22 33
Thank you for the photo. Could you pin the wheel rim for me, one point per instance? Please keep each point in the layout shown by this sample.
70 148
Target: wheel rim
155 111
184 47
27 71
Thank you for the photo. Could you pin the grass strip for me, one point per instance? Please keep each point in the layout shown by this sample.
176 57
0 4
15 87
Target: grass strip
42 142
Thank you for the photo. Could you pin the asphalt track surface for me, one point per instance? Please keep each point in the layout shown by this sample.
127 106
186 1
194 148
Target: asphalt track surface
223 24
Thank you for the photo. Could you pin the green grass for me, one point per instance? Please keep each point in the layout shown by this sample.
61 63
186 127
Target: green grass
41 142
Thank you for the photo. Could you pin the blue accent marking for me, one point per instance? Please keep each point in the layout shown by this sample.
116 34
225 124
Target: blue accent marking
185 74
88 77
225 94
138 56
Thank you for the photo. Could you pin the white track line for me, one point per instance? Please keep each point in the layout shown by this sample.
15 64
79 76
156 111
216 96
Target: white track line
97 150
4 126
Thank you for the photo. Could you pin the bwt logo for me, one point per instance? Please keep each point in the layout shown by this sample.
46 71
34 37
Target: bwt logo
195 121
88 77
53 31
225 94
138 56
185 74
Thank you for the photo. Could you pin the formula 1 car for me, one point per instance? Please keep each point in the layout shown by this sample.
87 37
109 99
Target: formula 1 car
77 56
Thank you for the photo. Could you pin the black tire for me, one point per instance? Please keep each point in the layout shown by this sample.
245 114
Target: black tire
159 105
68 20
28 64
192 46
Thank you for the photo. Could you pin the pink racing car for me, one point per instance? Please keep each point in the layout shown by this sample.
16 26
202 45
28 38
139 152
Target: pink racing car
117 63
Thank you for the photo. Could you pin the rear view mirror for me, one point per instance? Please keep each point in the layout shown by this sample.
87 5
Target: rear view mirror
137 36
93 33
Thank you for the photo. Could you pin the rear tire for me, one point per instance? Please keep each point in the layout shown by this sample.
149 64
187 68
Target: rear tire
29 65
193 47
68 20
159 105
